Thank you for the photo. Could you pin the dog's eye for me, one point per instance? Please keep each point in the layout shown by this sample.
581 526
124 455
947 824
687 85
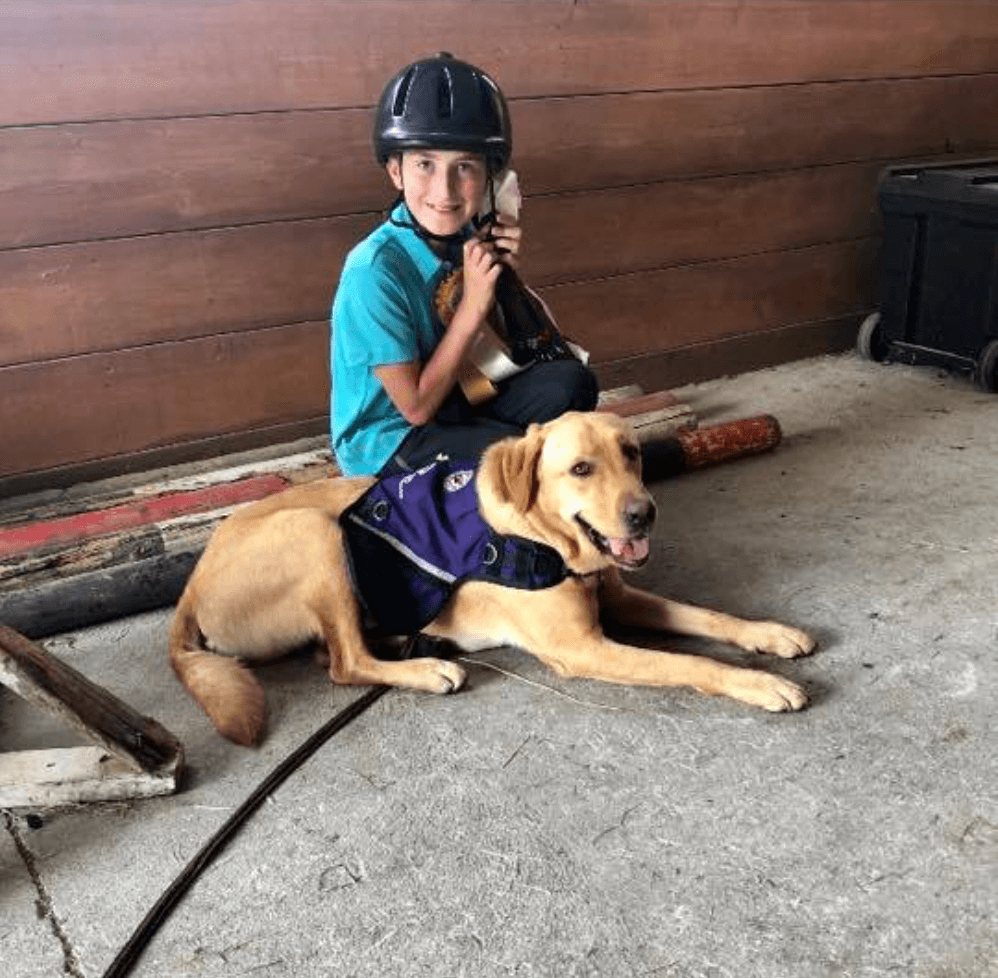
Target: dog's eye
631 452
582 469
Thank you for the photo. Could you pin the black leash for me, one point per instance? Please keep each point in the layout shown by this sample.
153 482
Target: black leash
144 933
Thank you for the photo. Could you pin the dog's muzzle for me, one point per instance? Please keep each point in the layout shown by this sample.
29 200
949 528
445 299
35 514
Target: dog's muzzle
629 551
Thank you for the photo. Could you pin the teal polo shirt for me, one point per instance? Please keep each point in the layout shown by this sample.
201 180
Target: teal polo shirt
382 314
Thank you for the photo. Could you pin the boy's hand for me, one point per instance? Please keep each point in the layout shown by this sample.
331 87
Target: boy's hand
507 236
481 272
484 256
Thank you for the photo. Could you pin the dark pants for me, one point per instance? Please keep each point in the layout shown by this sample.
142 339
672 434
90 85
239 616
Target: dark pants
541 393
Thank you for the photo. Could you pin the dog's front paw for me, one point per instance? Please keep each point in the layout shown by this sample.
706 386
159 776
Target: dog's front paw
773 693
436 675
775 639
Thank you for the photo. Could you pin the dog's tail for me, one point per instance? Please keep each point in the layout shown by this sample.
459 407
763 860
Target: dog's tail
226 690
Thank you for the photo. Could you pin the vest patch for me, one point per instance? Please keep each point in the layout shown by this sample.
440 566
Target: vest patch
412 539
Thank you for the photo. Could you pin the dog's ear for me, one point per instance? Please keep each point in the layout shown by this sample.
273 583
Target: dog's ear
510 468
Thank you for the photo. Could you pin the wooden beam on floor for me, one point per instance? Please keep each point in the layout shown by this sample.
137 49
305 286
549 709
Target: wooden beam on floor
131 756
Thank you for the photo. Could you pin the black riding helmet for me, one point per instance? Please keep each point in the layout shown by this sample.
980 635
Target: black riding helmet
443 103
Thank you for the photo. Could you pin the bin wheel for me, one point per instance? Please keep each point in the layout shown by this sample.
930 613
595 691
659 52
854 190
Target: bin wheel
986 371
870 342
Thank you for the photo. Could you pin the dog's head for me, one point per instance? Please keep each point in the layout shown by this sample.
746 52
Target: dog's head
574 483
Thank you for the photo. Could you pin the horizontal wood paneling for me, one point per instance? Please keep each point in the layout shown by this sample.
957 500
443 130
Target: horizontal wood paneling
629 229
636 314
63 60
179 184
65 300
71 299
311 434
136 400
112 179
96 180
642 137
130 401
662 369
656 370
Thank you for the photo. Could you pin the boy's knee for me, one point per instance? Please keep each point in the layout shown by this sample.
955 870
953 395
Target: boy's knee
585 389
571 386
546 391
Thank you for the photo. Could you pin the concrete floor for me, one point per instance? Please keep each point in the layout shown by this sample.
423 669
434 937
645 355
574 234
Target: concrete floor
533 827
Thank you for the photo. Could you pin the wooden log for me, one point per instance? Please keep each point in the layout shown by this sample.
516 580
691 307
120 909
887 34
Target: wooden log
112 553
102 595
149 758
695 448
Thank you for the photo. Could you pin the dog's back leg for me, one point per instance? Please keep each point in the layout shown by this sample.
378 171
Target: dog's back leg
350 660
226 690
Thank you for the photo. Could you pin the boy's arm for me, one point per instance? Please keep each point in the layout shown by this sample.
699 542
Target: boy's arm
418 389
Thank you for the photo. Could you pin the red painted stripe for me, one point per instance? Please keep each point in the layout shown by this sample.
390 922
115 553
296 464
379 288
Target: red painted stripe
83 526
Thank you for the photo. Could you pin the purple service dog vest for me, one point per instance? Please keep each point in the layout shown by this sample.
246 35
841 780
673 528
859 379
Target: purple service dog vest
413 538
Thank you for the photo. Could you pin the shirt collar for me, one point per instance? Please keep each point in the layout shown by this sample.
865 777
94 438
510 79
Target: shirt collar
427 261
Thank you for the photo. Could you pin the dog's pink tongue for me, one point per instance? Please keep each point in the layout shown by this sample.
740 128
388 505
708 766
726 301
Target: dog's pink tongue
628 549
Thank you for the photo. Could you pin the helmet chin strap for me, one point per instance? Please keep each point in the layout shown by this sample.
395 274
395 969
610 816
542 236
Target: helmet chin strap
490 217
449 241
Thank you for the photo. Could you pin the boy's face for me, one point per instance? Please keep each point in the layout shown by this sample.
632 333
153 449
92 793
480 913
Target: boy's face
443 189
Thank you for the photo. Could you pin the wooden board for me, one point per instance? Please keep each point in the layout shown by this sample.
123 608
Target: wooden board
130 292
617 139
112 179
34 535
69 476
74 182
105 405
72 775
145 58
593 235
634 315
67 300
134 755
731 354
235 382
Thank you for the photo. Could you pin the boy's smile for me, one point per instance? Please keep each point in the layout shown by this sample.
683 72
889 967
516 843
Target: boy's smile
443 189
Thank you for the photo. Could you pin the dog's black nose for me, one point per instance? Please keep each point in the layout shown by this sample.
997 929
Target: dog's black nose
639 516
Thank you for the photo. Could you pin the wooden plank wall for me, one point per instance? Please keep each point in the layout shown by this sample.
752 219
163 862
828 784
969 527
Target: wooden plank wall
179 183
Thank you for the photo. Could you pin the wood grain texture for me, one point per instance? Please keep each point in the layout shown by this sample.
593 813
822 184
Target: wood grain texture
598 141
209 446
152 397
596 234
129 292
113 179
66 300
144 58
730 354
654 370
77 409
75 182
49 683
634 315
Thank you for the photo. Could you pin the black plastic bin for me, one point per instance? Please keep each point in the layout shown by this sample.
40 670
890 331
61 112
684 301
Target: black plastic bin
939 302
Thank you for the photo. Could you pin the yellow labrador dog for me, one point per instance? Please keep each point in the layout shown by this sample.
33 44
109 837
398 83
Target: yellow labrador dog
275 575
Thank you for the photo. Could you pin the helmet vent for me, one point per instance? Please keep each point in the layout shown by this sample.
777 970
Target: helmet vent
445 95
488 109
398 106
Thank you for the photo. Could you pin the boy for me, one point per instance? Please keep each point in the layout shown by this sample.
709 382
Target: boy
442 131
